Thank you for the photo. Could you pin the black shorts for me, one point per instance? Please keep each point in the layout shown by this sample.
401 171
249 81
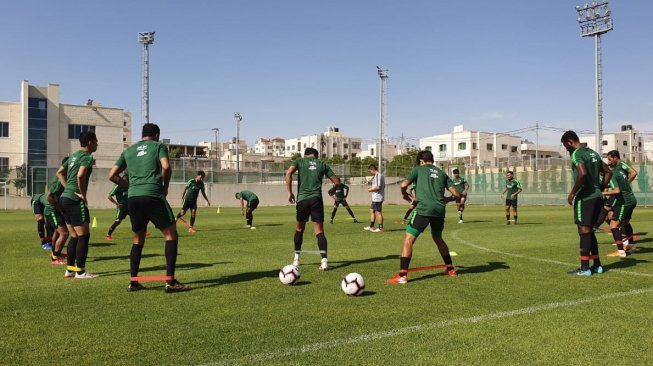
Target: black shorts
340 202
313 207
56 219
461 198
121 213
418 224
511 202
376 206
74 212
253 204
622 213
609 202
37 208
189 205
143 210
586 213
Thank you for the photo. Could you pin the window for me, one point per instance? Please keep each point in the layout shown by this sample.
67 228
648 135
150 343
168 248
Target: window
604 142
462 146
474 146
75 130
428 148
489 147
4 129
442 147
335 144
504 147
625 143
4 164
345 146
513 148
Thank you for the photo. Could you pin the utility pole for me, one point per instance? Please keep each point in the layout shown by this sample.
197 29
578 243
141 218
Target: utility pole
383 75
146 38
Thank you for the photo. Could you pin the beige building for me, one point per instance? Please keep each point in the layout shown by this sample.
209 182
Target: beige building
39 131
628 142
330 143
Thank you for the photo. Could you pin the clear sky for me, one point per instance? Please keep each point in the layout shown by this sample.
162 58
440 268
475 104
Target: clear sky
296 67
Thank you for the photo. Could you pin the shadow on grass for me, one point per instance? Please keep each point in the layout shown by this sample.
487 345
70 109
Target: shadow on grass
143 270
645 240
241 277
120 257
342 264
528 223
475 221
101 244
462 270
624 263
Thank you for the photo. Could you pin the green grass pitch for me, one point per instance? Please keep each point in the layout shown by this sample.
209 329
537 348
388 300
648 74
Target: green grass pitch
512 303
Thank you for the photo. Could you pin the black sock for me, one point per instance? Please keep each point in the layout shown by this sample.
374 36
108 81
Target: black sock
135 260
171 257
299 239
40 227
585 249
404 263
192 221
333 213
71 251
371 224
322 244
515 218
113 227
628 229
82 251
447 260
380 226
407 214
595 249
616 235
507 217
250 217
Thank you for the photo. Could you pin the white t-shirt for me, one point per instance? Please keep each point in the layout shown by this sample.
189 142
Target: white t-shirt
378 180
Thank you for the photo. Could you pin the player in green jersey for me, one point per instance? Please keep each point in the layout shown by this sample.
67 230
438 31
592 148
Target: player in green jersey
252 204
339 194
512 188
430 184
56 219
413 202
310 172
149 174
631 173
189 197
121 203
74 176
625 203
591 175
462 187
42 228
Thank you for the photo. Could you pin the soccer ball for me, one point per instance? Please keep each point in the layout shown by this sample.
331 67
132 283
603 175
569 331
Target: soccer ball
289 275
353 284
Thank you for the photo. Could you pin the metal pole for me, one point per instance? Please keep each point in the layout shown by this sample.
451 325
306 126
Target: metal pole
537 143
383 75
599 111
238 118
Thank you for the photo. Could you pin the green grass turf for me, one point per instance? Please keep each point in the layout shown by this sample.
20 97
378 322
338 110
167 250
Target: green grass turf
512 303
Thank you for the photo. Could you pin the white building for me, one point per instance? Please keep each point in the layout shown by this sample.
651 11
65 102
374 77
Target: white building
474 147
270 147
389 151
628 142
330 143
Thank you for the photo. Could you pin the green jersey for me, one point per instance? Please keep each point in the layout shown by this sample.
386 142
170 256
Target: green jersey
430 183
56 189
248 196
310 172
143 163
622 166
512 186
459 183
620 179
77 160
120 194
193 189
340 191
591 187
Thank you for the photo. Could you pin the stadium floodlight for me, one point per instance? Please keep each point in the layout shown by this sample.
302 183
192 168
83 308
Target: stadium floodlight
146 38
383 75
594 20
238 118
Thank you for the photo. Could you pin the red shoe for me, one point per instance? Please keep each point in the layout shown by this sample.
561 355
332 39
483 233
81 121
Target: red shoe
108 238
397 279
451 272
191 230
57 262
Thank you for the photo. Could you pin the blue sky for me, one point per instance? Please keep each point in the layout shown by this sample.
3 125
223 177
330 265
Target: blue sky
296 67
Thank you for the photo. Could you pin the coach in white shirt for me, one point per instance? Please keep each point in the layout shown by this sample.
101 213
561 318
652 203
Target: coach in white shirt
378 190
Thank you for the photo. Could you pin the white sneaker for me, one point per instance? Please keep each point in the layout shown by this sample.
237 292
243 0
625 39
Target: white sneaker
84 276
376 230
460 221
324 264
68 274
367 228
295 262
252 228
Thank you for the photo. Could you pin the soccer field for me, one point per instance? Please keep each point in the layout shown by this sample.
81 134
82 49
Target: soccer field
511 304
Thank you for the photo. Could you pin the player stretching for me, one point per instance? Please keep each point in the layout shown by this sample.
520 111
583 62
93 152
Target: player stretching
41 224
513 188
462 187
413 203
622 210
252 204
430 183
586 199
120 201
310 172
339 195
190 194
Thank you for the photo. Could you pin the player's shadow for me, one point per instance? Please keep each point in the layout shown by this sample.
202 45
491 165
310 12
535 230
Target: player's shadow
645 240
462 270
101 244
342 264
120 257
241 277
624 263
161 268
393 230
475 221
528 223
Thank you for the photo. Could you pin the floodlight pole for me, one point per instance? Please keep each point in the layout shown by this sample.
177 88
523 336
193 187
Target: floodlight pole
217 147
146 38
594 20
383 75
238 118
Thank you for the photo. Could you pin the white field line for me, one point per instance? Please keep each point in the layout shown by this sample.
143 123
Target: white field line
296 351
520 256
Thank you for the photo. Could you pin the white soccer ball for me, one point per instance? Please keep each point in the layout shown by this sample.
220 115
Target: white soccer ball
353 284
289 275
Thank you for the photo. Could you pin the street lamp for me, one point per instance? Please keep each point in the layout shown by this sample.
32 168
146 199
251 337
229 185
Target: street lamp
217 147
238 118
594 20
383 75
146 38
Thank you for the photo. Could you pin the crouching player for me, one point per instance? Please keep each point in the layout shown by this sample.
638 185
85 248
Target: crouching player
430 183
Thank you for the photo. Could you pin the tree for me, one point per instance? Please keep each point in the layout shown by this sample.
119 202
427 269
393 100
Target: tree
21 174
174 153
